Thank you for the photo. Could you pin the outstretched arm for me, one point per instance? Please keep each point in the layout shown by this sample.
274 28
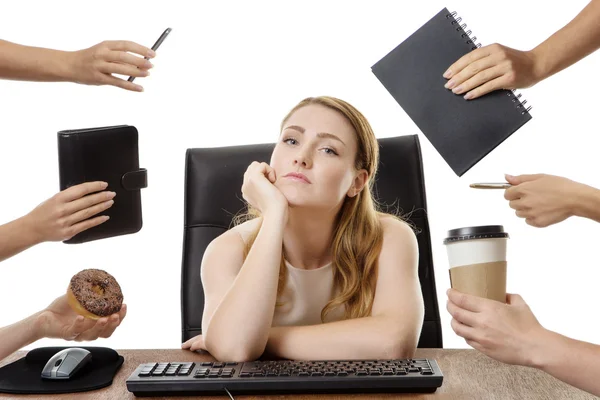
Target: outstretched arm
496 66
92 66
510 333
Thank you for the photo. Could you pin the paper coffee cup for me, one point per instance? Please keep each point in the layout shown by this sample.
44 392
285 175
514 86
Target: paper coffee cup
477 258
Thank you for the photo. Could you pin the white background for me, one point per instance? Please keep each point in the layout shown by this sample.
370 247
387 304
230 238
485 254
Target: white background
227 75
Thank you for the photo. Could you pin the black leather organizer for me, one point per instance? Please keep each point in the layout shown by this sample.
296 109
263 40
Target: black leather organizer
108 154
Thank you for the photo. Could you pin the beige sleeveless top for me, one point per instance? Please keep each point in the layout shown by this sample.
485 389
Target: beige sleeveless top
305 294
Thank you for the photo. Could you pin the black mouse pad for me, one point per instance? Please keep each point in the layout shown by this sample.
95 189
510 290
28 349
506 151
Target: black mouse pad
24 376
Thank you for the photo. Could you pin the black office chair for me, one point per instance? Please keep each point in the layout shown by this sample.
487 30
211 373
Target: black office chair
213 181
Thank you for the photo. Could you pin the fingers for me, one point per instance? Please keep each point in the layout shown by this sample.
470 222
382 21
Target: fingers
189 342
121 83
271 175
512 193
494 84
473 75
113 322
75 329
123 312
122 57
88 201
94 331
198 344
514 299
87 224
78 191
465 317
517 204
465 60
462 330
532 221
516 180
476 345
264 169
89 212
123 69
466 301
132 47
523 213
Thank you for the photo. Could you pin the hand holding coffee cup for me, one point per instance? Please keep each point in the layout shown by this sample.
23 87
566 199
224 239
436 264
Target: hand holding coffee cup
477 257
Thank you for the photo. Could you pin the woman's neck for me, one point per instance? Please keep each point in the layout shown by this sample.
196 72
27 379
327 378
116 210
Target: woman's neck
307 238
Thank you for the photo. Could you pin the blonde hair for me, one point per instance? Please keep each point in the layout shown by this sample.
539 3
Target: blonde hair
358 234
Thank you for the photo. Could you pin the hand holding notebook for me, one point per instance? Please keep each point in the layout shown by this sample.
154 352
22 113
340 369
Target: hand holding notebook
462 131
108 154
491 68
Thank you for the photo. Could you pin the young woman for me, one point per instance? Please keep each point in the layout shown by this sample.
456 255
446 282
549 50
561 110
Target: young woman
319 273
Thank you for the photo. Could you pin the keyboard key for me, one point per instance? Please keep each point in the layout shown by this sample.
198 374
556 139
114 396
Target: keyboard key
206 364
426 372
144 373
218 365
414 369
231 363
316 373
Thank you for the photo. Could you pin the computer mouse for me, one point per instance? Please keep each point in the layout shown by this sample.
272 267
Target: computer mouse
66 363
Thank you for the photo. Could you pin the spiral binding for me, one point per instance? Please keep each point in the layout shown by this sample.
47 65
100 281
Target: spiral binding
472 40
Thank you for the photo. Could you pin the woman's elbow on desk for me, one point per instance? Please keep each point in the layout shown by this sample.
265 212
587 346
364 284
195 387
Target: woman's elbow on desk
397 345
230 349
400 335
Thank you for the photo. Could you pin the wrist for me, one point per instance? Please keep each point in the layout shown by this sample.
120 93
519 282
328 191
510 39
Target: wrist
539 67
276 215
26 230
66 66
542 349
586 202
36 327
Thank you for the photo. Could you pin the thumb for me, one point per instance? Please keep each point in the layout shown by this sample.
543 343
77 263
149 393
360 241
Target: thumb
515 180
271 175
514 299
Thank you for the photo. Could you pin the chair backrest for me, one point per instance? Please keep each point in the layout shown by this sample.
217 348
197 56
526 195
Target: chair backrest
213 181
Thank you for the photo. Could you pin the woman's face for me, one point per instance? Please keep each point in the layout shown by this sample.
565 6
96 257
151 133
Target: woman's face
314 159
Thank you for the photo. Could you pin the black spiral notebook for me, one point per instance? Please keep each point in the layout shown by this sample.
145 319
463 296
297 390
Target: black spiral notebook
462 131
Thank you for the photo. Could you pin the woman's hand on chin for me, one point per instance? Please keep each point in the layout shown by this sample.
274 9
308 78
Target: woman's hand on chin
259 191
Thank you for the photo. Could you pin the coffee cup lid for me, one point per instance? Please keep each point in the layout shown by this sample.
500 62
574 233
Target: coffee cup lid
476 232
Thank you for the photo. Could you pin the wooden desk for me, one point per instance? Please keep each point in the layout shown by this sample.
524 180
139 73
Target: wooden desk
467 375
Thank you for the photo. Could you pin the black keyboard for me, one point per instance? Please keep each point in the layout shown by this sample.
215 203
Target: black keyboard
283 376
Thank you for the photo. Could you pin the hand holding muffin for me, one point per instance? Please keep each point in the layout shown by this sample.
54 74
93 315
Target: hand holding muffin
92 308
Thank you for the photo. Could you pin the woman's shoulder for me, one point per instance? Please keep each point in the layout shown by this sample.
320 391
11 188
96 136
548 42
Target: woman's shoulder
395 228
399 243
230 244
236 237
246 229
